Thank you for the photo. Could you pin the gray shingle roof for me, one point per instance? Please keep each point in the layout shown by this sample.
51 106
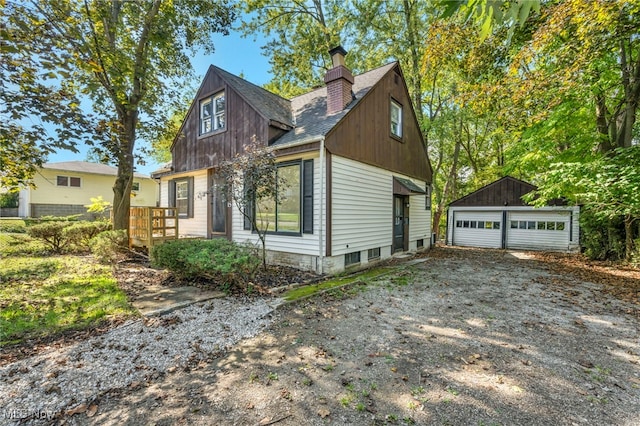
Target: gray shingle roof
310 109
269 104
86 167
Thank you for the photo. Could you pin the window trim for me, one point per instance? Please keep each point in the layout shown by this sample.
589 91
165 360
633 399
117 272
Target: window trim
211 96
173 183
68 179
392 103
306 215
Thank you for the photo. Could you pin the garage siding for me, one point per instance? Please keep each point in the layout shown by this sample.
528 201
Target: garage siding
542 231
464 234
552 228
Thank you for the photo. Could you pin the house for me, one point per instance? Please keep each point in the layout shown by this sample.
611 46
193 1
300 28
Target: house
495 216
65 188
352 152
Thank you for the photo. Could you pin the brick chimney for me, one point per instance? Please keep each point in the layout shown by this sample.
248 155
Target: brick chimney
339 81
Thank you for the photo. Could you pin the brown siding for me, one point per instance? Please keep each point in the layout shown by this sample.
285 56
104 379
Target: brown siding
243 125
504 192
364 134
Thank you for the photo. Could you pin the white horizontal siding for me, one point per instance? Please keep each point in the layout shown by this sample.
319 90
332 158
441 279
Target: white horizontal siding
534 239
516 238
197 225
362 215
472 237
419 218
307 244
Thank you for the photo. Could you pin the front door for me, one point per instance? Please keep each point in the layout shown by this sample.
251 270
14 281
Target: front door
400 223
218 208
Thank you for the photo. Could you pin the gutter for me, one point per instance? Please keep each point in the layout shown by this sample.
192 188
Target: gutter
304 141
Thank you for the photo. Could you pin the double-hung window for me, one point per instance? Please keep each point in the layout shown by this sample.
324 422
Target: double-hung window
212 113
181 196
396 119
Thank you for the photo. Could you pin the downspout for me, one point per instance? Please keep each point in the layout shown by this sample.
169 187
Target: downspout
322 203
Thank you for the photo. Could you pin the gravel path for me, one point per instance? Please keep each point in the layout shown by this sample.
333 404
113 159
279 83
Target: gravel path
468 337
47 385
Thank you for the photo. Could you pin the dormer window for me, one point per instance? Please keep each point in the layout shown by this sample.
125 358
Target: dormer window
396 119
212 110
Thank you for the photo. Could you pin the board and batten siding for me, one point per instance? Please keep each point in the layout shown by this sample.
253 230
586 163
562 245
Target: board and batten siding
362 208
196 225
303 244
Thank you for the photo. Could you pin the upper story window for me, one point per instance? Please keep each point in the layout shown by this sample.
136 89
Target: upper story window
212 111
68 181
135 186
396 119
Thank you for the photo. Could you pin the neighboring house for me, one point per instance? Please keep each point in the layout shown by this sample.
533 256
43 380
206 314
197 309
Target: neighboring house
66 188
496 217
352 153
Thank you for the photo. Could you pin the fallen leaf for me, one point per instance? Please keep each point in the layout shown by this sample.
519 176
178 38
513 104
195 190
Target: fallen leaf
92 410
323 412
265 421
77 409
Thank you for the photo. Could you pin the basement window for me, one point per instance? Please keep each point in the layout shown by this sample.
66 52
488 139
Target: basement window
351 258
373 253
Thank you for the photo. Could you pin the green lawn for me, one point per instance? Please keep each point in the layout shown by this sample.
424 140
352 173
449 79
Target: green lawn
43 296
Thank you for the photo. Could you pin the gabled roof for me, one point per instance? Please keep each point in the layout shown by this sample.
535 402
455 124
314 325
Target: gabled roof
310 109
86 167
507 191
272 106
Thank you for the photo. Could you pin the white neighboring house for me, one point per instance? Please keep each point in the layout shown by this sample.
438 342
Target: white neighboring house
496 217
65 188
352 152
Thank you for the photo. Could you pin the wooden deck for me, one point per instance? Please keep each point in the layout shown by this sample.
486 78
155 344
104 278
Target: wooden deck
150 226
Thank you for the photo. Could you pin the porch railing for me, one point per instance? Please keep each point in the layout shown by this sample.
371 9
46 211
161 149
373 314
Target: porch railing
149 226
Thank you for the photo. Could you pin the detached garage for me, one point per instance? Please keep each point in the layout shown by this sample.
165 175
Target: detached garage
496 217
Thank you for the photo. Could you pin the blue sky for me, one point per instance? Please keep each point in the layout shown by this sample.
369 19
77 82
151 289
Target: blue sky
232 53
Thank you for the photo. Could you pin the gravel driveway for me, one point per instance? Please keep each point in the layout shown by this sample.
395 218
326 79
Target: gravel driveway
467 337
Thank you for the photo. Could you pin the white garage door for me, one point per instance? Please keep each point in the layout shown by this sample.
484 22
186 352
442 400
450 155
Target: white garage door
538 230
477 229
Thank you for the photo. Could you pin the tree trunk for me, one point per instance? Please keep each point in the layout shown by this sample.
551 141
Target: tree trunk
628 236
124 178
449 188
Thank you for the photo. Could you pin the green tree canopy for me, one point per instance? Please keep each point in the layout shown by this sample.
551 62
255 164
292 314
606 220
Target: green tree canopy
130 58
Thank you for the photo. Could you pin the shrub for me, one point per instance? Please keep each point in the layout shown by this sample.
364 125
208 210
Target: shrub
107 245
9 200
218 258
13 226
44 219
51 234
601 239
80 233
